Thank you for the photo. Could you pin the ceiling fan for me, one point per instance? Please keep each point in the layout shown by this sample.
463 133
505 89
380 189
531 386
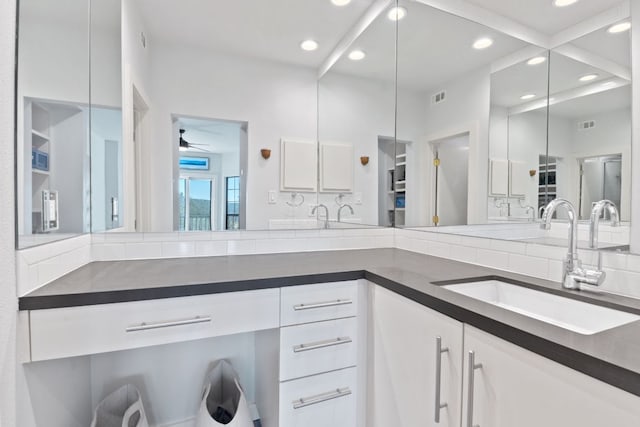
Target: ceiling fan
184 145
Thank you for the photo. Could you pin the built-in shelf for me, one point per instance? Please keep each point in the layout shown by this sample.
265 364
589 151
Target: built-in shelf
40 172
401 182
401 164
39 137
400 209
401 156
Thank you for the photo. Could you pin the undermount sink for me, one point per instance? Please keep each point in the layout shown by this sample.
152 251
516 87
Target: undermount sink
577 316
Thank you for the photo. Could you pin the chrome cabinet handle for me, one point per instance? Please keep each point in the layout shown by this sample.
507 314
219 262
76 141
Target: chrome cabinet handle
321 344
472 367
319 398
322 304
146 326
439 351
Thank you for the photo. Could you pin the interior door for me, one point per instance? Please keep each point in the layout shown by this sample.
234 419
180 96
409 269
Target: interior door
451 181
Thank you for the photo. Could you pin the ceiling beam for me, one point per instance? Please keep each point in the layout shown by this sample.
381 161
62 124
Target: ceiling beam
604 19
491 19
587 57
352 35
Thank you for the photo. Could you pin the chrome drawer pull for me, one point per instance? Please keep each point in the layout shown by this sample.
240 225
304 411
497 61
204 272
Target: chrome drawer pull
319 398
322 304
146 326
321 344
439 351
472 368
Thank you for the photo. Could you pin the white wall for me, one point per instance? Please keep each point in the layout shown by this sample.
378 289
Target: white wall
8 300
635 143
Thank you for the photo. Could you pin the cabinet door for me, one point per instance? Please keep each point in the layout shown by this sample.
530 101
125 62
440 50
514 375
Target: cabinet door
404 374
515 387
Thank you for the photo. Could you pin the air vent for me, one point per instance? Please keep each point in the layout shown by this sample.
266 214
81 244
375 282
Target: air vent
589 124
438 97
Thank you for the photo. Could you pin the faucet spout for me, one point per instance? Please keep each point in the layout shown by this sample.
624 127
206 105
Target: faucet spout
346 205
596 212
326 211
571 262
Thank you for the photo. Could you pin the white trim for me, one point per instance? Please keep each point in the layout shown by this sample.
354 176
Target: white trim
517 57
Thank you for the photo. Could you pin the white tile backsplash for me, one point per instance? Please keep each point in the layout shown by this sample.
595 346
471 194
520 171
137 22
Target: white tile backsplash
39 265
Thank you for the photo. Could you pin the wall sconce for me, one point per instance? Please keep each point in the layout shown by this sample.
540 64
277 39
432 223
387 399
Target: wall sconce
532 172
364 160
266 153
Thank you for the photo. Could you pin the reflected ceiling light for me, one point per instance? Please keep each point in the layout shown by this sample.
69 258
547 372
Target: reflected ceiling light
563 3
397 13
356 55
588 77
609 83
536 60
309 45
528 96
340 2
482 43
620 27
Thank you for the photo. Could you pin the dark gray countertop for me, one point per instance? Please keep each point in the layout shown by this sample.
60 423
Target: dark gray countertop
612 356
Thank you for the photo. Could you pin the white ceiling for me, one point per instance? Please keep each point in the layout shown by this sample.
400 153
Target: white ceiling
266 29
543 16
434 47
216 136
614 47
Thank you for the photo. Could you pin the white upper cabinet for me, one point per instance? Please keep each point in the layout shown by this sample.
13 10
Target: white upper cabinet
336 163
298 165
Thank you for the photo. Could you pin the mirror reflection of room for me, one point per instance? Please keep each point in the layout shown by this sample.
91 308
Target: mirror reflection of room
590 120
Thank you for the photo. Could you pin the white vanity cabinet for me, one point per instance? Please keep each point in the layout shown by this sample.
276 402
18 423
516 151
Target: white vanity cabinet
322 354
515 387
408 358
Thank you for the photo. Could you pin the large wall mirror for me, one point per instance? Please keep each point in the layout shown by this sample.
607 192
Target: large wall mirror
590 121
375 113
457 80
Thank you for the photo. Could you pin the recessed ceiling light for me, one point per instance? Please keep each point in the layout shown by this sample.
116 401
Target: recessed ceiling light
528 96
309 45
356 55
536 60
397 13
609 83
588 77
563 3
482 43
341 2
620 27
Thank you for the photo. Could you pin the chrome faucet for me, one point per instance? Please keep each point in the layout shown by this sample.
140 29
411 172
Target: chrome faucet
531 209
573 275
346 205
597 210
326 210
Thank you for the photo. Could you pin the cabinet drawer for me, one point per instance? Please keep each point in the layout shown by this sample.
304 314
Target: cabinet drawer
74 331
318 347
320 401
313 303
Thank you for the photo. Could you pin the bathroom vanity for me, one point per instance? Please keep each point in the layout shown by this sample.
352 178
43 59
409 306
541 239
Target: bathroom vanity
342 338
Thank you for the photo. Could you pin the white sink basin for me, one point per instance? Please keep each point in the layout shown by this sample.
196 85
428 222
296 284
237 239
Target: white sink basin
577 316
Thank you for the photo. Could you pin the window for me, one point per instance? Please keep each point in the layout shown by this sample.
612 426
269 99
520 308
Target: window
196 204
232 186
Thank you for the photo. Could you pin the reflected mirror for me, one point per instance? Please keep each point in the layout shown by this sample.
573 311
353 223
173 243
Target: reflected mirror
356 128
53 116
590 121
445 91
